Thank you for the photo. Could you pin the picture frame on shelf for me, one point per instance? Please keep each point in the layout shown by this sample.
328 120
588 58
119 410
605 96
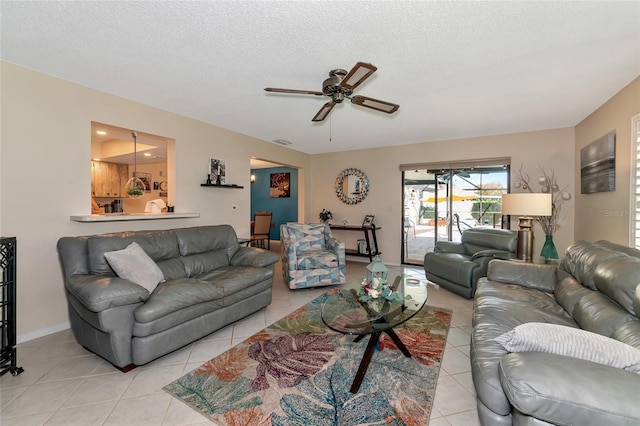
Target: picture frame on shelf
368 221
217 171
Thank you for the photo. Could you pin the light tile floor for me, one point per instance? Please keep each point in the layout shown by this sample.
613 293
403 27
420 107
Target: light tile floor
63 384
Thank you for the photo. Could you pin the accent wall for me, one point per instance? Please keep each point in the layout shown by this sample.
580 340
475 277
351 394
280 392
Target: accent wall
284 209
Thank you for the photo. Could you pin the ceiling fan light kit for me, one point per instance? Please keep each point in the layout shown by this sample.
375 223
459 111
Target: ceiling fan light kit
339 86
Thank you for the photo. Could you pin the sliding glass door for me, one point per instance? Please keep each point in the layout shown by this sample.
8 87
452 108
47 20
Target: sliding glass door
439 203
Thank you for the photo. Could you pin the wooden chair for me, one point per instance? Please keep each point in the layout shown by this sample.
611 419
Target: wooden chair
261 230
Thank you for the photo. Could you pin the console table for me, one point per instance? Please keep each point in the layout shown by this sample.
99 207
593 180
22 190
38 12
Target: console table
369 237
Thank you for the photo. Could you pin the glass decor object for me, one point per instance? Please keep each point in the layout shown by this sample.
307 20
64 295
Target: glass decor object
549 249
135 186
377 271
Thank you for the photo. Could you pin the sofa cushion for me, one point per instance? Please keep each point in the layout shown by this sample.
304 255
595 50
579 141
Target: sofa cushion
565 391
476 239
198 264
233 279
530 275
618 278
158 245
176 295
133 264
569 291
308 236
454 267
498 308
314 259
629 333
597 313
572 342
202 239
582 258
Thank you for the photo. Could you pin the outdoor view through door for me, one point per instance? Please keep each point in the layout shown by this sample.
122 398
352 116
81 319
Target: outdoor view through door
441 202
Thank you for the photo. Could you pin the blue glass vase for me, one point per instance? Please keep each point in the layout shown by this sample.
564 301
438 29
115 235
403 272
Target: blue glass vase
549 249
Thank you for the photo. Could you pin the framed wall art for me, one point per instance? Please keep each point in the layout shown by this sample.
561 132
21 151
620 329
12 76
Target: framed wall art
280 185
217 171
598 165
145 178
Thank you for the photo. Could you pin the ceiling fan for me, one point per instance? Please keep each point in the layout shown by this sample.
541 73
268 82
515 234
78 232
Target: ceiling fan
340 86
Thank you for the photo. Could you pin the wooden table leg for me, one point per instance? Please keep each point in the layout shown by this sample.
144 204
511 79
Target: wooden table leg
398 342
366 359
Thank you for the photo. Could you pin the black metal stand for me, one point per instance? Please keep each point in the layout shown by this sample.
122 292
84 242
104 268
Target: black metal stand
371 241
8 307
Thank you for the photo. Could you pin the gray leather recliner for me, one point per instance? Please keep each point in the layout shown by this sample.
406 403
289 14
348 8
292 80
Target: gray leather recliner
457 266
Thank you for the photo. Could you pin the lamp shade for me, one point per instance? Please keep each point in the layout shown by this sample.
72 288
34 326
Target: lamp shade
526 204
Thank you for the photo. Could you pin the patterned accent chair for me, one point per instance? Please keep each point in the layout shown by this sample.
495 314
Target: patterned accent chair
311 257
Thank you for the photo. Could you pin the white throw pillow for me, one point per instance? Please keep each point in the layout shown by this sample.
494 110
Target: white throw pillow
133 264
572 342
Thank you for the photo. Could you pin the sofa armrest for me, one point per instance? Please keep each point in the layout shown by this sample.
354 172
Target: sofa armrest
255 257
97 293
289 255
492 253
564 390
540 277
335 245
449 247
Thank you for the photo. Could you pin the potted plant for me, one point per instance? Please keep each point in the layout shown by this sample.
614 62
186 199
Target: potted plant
135 192
325 216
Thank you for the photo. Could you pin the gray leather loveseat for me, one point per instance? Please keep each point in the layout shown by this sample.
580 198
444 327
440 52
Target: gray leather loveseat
205 281
457 266
560 344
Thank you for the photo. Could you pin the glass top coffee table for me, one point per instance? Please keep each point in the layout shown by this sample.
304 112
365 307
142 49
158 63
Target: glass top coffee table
344 313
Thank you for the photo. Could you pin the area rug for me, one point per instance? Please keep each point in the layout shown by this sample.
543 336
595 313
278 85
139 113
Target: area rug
298 372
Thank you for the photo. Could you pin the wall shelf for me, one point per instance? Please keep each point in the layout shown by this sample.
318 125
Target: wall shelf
226 185
118 217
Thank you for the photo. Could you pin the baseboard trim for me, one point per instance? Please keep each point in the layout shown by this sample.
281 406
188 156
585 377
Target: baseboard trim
42 332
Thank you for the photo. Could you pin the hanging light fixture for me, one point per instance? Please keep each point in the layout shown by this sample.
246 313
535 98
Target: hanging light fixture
135 186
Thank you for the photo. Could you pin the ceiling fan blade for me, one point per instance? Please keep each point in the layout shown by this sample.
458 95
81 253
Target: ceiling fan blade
376 104
297 92
324 111
359 73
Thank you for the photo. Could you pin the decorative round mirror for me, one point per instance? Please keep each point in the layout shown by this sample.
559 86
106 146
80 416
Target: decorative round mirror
352 186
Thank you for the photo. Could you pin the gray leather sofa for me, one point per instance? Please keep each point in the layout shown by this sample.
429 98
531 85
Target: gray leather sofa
209 282
457 266
595 288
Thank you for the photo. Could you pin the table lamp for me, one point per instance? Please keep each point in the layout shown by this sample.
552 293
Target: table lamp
526 206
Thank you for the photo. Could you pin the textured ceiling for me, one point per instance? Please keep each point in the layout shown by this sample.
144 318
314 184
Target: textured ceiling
457 69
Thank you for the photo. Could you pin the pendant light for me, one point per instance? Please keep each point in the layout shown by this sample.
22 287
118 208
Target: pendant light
135 186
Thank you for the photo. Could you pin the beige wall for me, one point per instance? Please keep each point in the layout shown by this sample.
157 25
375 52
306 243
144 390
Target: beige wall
605 215
552 149
45 178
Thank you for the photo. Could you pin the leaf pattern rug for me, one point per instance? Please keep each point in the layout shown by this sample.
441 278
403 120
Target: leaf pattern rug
298 372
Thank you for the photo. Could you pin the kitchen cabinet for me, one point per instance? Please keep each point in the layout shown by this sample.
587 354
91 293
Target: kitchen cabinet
108 179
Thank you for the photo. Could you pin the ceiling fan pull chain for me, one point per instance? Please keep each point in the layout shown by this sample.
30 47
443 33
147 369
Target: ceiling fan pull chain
330 128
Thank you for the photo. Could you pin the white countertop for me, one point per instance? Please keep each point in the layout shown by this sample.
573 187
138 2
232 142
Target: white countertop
113 217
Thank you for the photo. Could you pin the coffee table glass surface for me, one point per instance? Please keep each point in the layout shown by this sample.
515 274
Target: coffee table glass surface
344 313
